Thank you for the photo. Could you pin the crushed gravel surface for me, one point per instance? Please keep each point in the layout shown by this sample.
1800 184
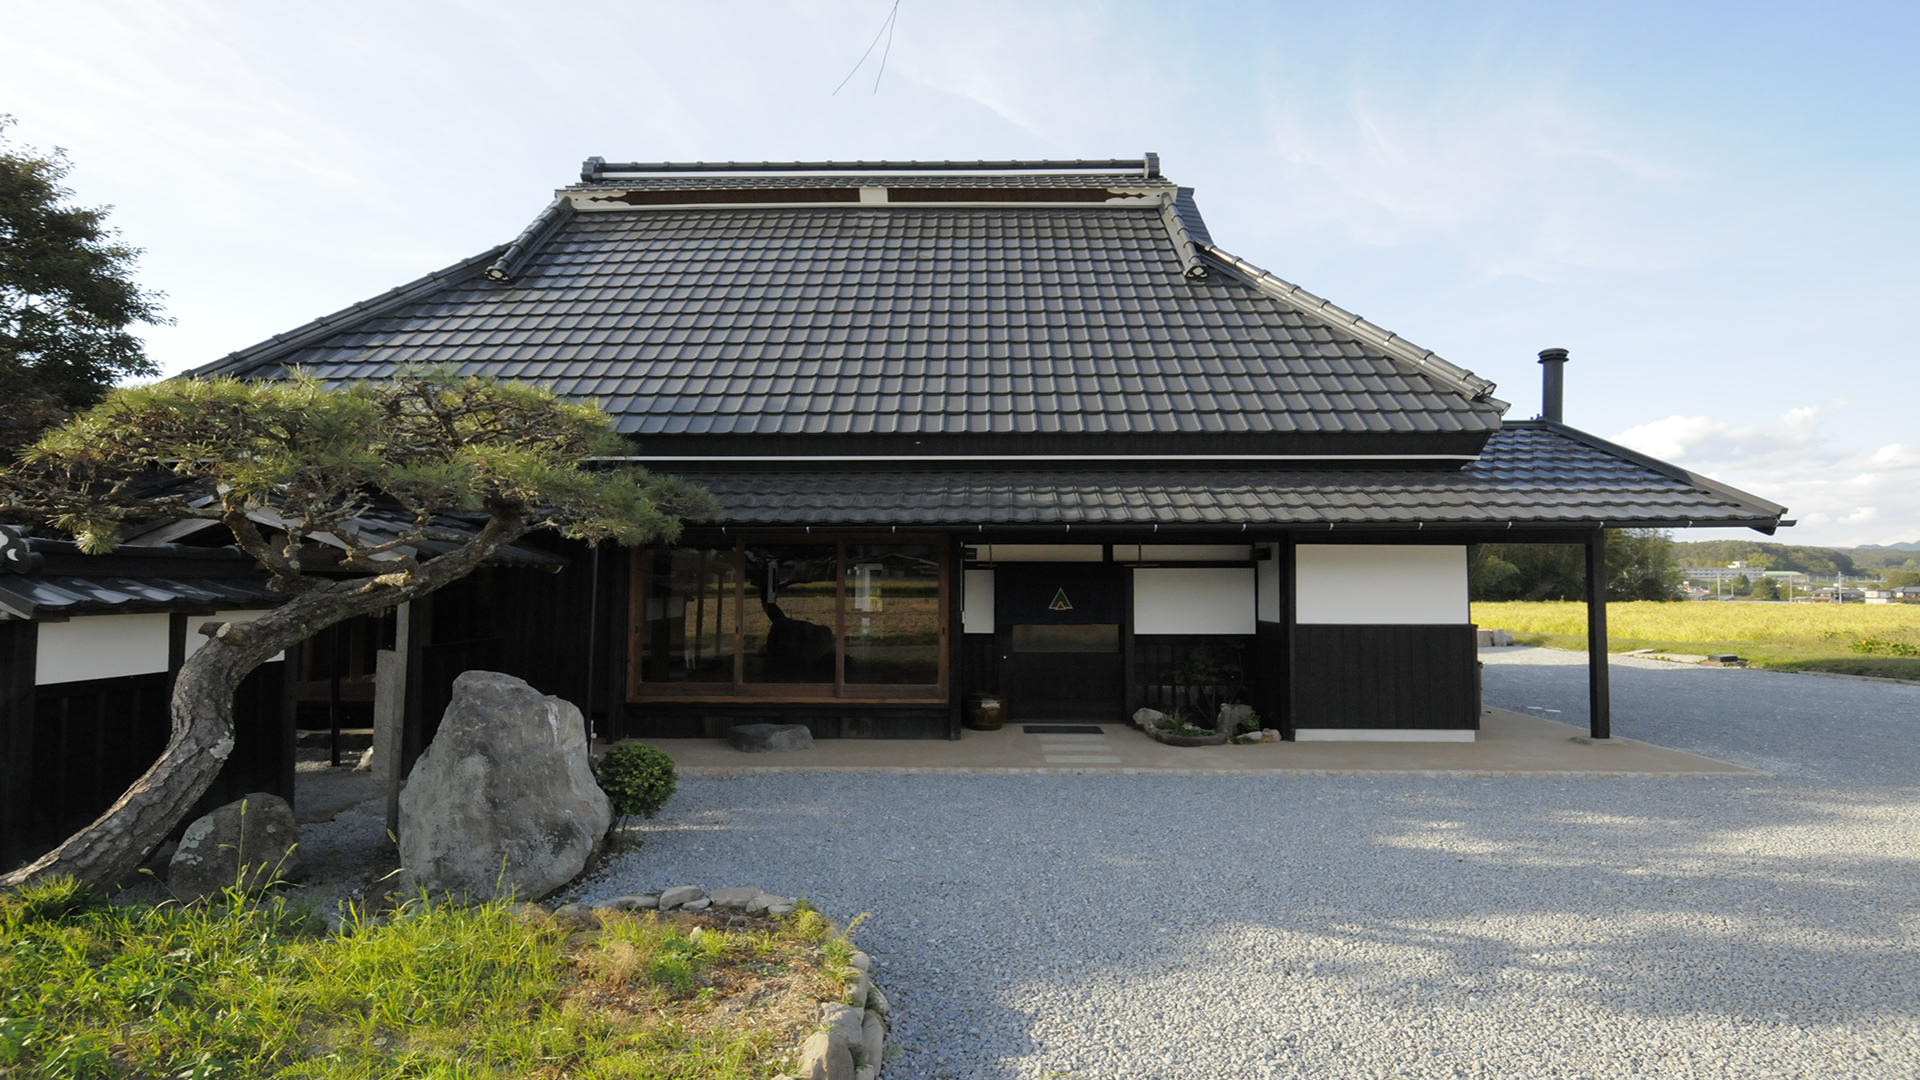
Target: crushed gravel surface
1162 926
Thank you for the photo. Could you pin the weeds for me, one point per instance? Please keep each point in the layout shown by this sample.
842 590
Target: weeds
232 988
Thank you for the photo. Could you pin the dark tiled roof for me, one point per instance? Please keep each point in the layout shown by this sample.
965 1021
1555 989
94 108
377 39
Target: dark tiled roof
934 320
37 597
1121 181
1530 474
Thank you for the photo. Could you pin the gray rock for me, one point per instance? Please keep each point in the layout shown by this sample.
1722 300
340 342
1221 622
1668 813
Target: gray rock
1148 718
844 1024
770 738
860 961
866 1072
780 909
680 895
873 1031
823 1059
632 902
503 801
857 988
759 904
247 844
1232 716
701 904
878 1002
734 899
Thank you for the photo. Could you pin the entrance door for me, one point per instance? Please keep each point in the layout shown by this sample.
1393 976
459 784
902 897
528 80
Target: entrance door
1058 634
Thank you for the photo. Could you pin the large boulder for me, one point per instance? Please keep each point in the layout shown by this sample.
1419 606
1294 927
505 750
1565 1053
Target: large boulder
503 801
246 844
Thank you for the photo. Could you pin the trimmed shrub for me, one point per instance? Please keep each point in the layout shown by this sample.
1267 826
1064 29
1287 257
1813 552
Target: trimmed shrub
638 779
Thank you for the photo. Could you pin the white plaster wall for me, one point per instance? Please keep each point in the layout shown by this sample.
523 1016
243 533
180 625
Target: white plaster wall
1193 600
1268 573
976 602
1377 584
101 647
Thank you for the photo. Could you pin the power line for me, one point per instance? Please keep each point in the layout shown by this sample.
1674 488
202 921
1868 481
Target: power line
886 28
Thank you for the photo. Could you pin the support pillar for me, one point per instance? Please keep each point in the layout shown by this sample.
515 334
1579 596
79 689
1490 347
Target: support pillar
1599 706
390 711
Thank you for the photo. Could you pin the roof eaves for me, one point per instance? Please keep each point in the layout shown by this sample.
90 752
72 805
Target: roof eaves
1762 509
1427 361
327 325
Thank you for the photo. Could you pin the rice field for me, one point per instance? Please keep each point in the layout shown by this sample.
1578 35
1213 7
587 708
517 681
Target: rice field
1853 639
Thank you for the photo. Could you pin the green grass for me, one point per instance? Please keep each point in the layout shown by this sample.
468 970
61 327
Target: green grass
1852 639
232 989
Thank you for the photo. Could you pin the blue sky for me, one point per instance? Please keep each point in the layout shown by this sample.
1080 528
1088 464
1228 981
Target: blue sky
1710 205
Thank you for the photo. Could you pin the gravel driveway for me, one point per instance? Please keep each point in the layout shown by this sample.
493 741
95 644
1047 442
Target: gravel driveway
1158 926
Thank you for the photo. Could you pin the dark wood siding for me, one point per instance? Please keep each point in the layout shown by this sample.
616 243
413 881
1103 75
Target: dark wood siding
90 739
1386 677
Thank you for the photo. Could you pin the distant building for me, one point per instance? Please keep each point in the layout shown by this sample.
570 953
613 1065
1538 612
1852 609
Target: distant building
1905 594
1736 571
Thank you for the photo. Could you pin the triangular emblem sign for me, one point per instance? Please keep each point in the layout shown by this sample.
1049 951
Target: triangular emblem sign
1060 602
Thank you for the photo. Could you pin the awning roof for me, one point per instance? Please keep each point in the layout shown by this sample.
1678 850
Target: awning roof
1532 474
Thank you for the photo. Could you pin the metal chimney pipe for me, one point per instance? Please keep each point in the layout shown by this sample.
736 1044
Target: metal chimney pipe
1553 384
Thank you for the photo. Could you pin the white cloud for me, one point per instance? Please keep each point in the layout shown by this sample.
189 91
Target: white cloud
1841 495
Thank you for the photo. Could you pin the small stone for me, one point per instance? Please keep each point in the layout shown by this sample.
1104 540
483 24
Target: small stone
822 1059
877 1001
698 932
679 895
860 961
781 909
633 902
759 904
365 763
770 738
873 1034
701 904
734 899
1233 717
1148 718
857 988
246 844
844 1024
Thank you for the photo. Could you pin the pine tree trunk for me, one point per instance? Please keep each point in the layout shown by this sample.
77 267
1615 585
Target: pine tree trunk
118 841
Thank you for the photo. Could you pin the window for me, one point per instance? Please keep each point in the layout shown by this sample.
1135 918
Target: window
853 617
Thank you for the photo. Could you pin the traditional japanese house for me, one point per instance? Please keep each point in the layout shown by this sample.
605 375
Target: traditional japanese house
1010 427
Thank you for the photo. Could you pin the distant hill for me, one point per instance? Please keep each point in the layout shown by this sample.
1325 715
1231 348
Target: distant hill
1807 560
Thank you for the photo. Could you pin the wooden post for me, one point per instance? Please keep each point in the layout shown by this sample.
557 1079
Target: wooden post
1599 706
390 712
19 649
1288 554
